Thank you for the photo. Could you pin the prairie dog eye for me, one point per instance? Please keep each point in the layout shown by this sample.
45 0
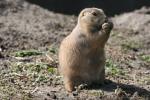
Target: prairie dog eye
94 13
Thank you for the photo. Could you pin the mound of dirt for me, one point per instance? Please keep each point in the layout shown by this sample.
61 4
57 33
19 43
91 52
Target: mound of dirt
138 22
26 26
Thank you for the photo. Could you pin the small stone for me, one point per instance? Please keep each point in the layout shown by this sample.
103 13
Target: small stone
75 93
45 98
1 56
48 94
51 95
135 96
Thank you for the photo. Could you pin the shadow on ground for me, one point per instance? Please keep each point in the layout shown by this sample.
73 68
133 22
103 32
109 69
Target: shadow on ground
129 89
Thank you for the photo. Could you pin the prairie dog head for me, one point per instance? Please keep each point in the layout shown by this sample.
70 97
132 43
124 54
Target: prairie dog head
91 18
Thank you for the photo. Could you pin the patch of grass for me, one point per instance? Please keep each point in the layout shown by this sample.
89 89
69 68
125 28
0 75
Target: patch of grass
33 67
120 92
25 53
22 78
114 33
146 58
130 45
52 70
113 69
145 80
37 73
53 49
97 93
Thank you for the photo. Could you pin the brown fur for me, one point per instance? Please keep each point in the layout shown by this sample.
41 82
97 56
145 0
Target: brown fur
81 54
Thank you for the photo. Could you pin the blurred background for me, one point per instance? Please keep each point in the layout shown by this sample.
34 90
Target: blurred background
111 7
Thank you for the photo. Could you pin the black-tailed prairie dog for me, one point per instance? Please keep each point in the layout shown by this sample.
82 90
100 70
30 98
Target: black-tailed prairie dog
81 53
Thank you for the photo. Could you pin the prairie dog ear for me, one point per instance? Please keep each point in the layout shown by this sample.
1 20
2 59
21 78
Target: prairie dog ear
82 13
101 10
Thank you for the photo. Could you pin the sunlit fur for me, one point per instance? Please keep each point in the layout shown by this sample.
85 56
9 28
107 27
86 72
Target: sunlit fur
81 53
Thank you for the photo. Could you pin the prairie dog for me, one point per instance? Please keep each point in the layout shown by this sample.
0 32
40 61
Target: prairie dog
81 53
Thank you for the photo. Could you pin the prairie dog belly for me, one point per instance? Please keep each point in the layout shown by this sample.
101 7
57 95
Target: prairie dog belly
81 54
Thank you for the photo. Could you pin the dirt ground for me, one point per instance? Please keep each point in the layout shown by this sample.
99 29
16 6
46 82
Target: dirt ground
29 44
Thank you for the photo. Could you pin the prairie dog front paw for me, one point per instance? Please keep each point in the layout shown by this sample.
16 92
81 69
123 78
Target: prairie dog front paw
107 27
